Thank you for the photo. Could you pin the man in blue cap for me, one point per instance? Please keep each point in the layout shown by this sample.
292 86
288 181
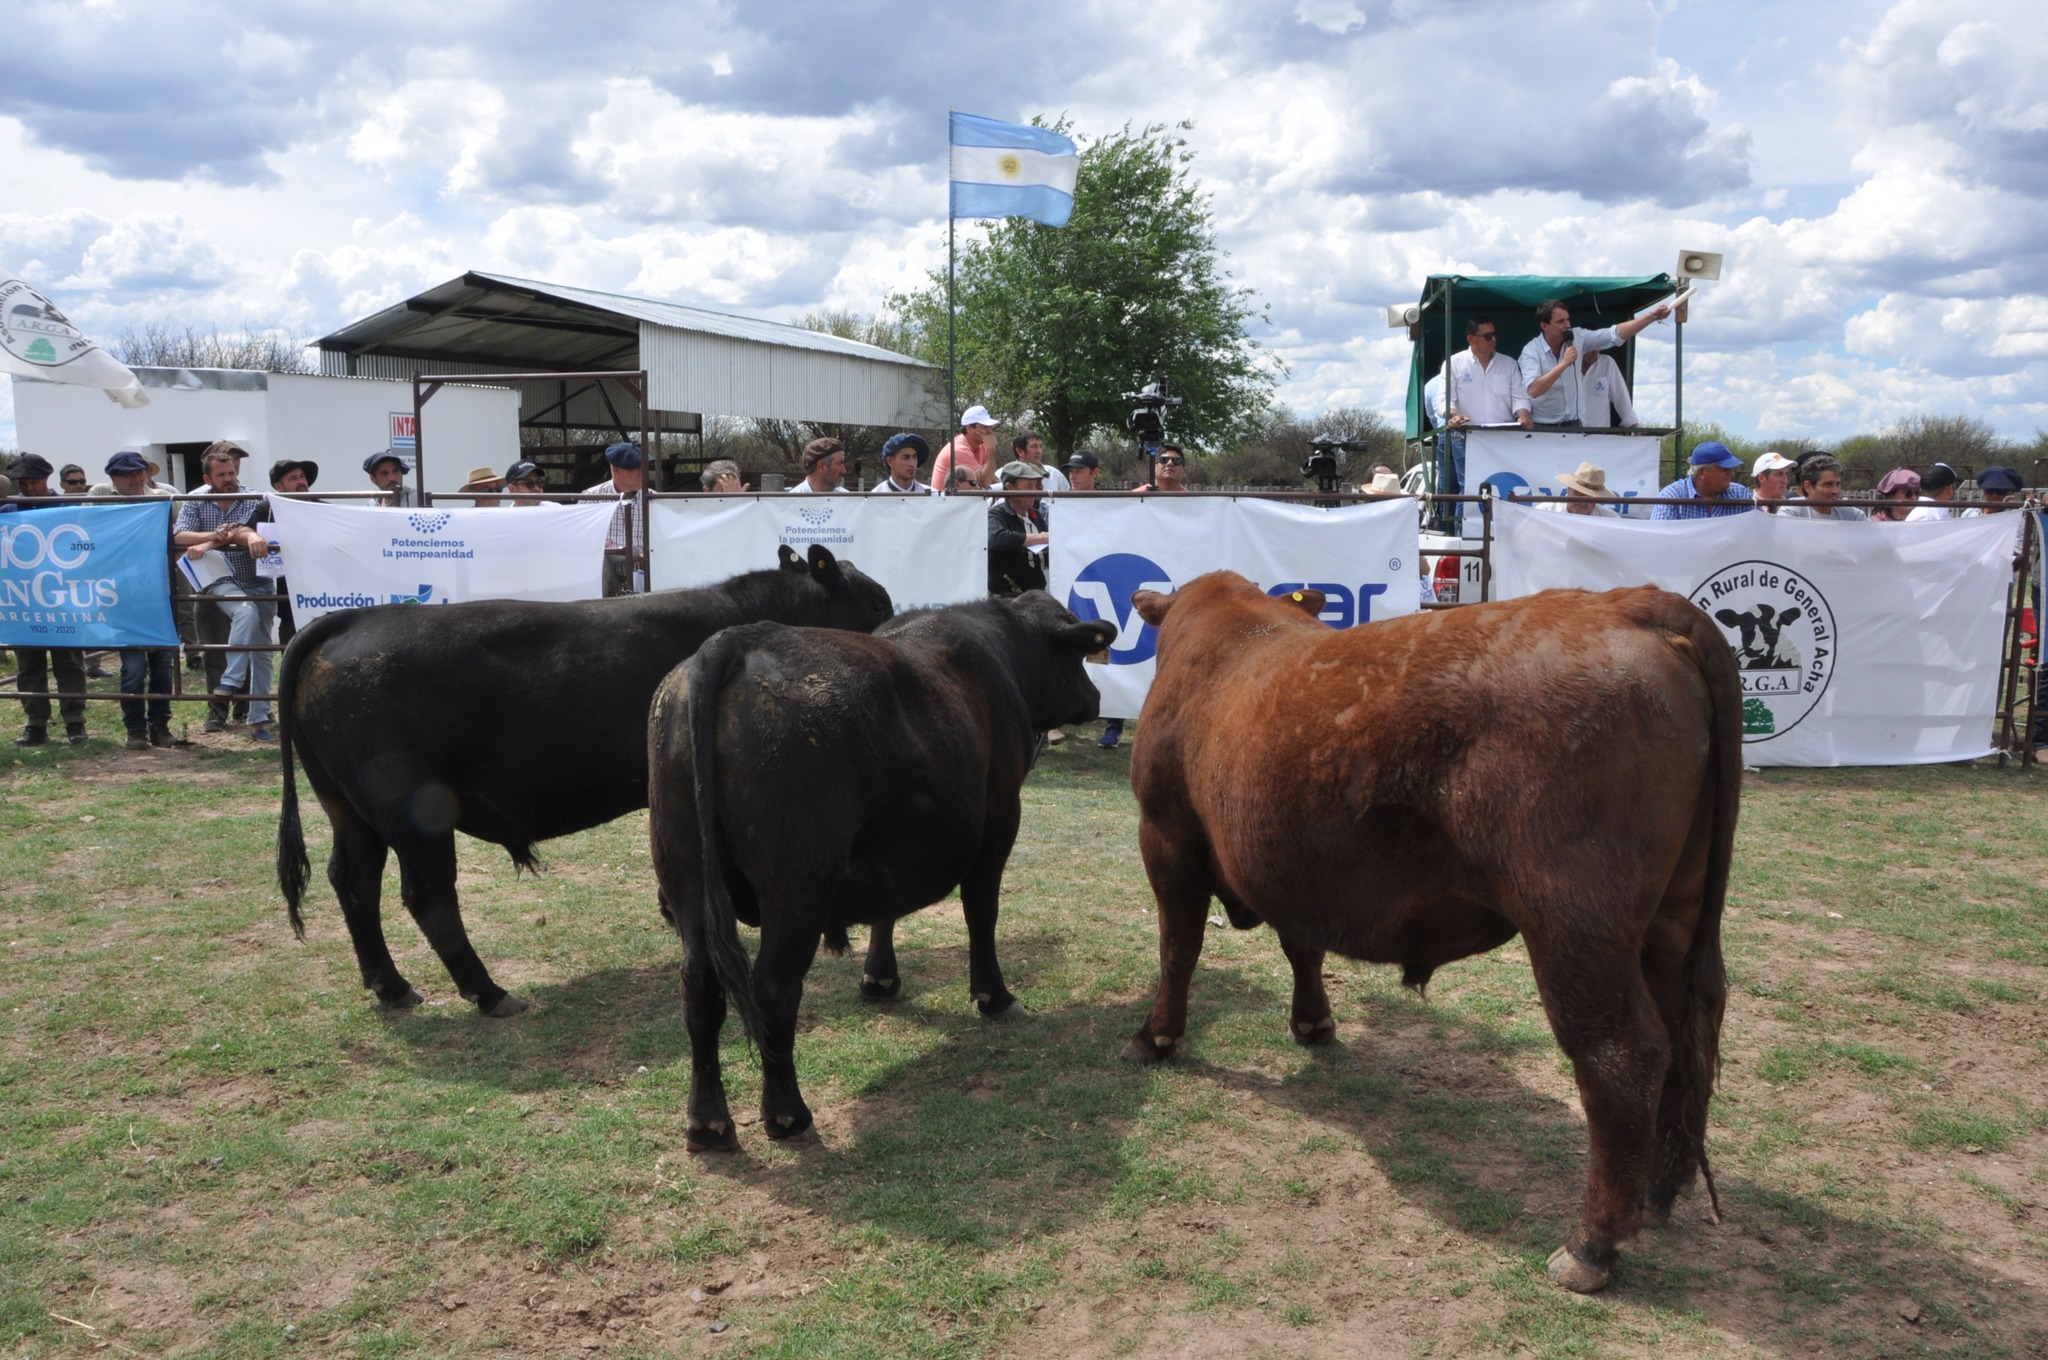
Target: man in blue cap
387 473
155 667
900 458
1711 485
628 475
2000 485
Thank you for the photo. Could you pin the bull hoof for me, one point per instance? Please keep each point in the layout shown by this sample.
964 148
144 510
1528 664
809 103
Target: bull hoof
1143 1051
1568 1271
1009 1014
717 1136
505 1007
1311 1033
880 989
791 1128
404 1001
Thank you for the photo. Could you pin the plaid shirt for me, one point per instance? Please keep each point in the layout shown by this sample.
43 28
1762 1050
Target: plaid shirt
630 507
206 515
1734 501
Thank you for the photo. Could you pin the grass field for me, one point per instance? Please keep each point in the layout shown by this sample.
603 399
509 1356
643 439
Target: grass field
213 1143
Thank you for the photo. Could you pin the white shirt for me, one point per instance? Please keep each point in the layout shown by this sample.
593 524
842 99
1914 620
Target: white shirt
1560 405
1927 509
1603 396
1488 395
1565 508
803 488
889 488
1433 401
1055 480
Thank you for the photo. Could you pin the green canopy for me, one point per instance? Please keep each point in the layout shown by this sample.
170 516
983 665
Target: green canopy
1510 300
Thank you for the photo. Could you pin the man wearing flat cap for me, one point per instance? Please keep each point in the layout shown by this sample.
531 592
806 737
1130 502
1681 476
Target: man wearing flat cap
900 459
824 467
34 665
1710 485
387 473
1938 486
2001 488
628 467
291 476
1015 527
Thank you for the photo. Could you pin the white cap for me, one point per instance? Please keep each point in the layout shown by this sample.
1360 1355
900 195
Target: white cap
1771 462
976 415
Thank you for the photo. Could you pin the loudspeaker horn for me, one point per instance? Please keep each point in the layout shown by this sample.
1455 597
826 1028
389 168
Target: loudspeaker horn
1401 314
1703 265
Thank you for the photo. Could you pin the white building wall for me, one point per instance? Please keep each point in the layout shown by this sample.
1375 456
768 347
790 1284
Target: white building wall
335 422
688 371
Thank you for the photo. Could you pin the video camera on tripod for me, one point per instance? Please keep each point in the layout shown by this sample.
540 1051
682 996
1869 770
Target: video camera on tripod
1148 422
1322 459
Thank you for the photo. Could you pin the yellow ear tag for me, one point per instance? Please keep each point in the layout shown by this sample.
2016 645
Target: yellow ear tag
1297 597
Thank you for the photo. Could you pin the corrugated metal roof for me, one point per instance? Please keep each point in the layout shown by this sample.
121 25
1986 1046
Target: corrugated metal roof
499 320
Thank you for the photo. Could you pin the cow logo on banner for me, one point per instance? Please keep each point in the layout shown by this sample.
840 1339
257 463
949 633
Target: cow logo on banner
33 330
1783 635
1103 590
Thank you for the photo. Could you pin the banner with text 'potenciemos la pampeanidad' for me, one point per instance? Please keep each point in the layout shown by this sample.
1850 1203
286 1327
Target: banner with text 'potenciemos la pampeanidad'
1364 558
1857 643
348 557
86 576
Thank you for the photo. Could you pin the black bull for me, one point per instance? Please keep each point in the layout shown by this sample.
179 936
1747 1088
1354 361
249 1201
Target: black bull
805 782
510 721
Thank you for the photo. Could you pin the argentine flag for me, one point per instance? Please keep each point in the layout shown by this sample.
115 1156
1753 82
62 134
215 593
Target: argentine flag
1011 170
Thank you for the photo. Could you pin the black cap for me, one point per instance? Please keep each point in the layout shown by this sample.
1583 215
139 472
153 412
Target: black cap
1083 458
1937 477
30 467
283 466
521 471
370 463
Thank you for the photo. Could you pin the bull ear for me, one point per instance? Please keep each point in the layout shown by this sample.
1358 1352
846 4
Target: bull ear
1152 606
825 569
1309 602
790 561
1095 635
1729 618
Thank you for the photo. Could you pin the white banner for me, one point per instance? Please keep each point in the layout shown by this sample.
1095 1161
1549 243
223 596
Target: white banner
1363 557
925 550
1530 461
1859 644
344 557
38 341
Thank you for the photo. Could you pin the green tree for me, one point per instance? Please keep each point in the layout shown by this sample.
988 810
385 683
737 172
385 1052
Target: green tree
1057 323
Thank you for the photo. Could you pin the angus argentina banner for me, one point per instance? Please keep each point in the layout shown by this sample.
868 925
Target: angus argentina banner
1364 558
87 576
1858 643
346 557
925 550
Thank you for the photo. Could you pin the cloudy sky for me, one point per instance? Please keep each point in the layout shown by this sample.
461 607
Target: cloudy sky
1876 172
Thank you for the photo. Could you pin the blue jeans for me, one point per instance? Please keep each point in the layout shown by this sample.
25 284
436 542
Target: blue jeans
248 626
156 667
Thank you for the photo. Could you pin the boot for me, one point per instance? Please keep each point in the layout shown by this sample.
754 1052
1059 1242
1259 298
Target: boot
33 736
160 735
137 741
75 733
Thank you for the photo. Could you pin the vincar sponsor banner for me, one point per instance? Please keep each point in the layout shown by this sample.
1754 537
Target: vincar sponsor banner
1529 461
347 557
87 576
1858 644
925 550
1362 557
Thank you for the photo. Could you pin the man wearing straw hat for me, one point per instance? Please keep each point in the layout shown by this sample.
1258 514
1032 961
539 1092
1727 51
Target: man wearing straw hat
1587 481
482 481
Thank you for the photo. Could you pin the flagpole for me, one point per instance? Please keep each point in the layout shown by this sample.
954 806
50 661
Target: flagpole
952 411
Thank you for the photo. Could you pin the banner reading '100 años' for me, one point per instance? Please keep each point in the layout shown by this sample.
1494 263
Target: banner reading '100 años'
86 576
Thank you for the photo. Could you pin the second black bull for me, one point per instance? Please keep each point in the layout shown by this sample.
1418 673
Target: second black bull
805 782
510 721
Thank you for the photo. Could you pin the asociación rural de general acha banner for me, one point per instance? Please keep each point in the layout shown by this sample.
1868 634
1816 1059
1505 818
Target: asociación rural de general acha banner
1362 557
925 550
346 557
1858 644
86 576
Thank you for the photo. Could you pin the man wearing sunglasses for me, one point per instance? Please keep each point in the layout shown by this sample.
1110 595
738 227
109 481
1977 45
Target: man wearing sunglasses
525 484
72 480
1169 470
1485 389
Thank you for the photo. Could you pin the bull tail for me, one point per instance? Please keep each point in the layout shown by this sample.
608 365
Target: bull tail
293 868
1705 998
706 676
